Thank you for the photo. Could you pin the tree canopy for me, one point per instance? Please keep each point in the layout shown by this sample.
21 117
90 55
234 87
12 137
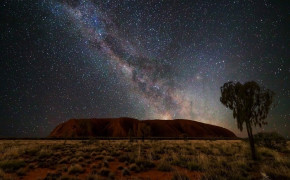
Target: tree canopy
249 102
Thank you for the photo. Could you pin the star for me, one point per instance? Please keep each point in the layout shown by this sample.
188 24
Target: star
146 60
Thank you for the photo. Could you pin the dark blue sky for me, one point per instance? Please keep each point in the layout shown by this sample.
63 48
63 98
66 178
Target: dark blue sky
141 59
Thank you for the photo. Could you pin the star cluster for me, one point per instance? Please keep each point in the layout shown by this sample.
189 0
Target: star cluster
142 59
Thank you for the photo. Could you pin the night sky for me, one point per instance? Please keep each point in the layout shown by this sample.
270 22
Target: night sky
141 59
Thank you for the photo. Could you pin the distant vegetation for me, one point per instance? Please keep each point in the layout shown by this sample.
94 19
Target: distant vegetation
271 140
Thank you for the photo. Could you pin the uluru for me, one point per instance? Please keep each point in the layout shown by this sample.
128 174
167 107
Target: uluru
122 127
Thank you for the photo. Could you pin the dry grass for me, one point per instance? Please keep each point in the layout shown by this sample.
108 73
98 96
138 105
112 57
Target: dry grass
219 159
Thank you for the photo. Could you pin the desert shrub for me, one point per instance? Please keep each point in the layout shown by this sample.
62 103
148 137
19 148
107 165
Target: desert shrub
266 152
99 165
125 172
223 173
155 156
160 150
11 152
115 153
100 157
277 172
75 169
105 163
92 177
56 147
11 165
94 166
225 150
181 161
188 163
52 176
127 157
86 155
93 154
168 159
104 172
45 153
80 159
164 166
64 169
120 167
21 172
215 151
57 155
79 154
111 176
145 164
104 153
31 166
178 176
193 166
83 164
134 167
49 163
205 150
271 140
94 171
64 160
109 158
191 152
123 158
32 151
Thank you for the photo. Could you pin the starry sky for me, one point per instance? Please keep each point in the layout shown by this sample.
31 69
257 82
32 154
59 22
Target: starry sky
142 59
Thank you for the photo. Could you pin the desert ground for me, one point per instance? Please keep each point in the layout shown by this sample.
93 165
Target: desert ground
158 159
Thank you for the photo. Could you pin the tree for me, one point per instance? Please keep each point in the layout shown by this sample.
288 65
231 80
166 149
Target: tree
250 104
143 130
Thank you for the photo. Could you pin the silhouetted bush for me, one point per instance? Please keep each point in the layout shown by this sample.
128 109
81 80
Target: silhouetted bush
164 166
11 165
271 140
75 169
178 176
145 164
125 172
104 172
134 167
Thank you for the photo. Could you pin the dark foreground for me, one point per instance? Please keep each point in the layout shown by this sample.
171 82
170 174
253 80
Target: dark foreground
152 159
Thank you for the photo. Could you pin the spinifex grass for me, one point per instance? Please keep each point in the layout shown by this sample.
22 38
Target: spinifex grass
193 159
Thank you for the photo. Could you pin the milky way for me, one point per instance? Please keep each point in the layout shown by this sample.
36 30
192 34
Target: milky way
145 74
147 60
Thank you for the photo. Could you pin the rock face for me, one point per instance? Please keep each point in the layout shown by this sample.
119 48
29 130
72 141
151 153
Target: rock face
120 127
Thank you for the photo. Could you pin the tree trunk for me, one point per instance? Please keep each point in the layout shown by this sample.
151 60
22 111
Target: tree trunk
251 139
